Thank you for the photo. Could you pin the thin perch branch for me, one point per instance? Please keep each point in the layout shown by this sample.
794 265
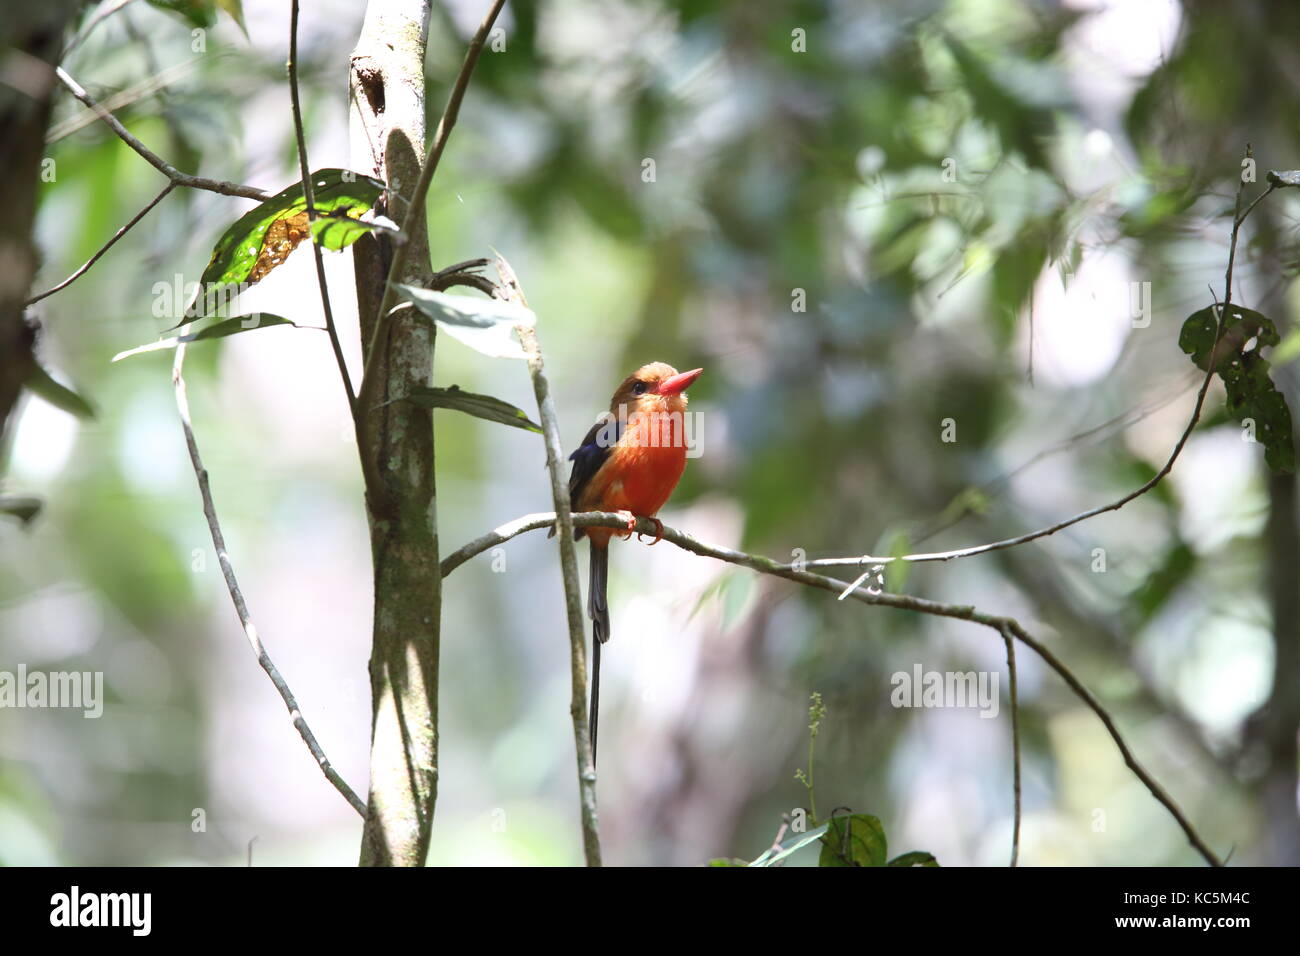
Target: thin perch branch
905 602
153 159
874 562
237 596
106 11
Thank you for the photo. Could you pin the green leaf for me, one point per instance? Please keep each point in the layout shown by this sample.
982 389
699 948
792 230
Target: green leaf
22 507
1289 349
231 326
856 840
235 9
915 858
896 544
485 325
203 13
1174 570
60 396
1158 209
264 236
199 13
481 406
1252 396
724 861
770 858
1016 98
1240 325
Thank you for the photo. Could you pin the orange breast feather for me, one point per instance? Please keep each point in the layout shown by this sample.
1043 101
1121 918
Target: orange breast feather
639 476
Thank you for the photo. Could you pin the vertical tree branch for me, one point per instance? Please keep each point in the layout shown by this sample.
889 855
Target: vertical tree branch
1013 694
1269 738
397 449
396 437
309 195
572 599
569 569
30 37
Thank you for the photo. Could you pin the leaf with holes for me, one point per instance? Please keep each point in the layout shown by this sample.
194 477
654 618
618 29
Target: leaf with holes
263 237
480 406
218 330
485 325
1253 399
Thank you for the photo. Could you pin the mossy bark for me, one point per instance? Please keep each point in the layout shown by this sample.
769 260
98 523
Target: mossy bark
388 132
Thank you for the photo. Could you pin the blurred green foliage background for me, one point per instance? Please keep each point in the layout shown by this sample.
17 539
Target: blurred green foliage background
864 219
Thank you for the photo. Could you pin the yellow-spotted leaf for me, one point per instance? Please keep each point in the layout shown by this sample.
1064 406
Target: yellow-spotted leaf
263 237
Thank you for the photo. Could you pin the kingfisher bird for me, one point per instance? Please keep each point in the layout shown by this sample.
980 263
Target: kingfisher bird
629 462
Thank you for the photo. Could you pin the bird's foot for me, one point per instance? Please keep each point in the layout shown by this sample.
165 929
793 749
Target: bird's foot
659 532
630 519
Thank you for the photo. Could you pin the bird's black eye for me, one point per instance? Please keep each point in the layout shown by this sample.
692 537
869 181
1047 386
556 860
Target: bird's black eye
639 388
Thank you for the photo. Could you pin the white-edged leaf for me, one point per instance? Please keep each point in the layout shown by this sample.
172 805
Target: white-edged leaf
480 406
773 856
59 395
232 326
485 325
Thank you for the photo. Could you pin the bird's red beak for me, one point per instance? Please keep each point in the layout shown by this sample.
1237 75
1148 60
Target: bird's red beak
678 383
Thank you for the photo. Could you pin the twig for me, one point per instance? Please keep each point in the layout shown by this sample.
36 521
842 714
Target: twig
780 834
995 486
874 562
156 83
102 14
765 565
403 249
104 248
1014 695
237 596
569 567
177 177
309 195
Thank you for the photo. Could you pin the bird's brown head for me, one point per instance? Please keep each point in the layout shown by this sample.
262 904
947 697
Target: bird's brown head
654 388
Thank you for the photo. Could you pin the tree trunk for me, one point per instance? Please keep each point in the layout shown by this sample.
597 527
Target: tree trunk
388 123
1270 734
30 40
1277 722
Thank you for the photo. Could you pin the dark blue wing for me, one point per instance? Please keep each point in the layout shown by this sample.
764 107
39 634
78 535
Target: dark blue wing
589 456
